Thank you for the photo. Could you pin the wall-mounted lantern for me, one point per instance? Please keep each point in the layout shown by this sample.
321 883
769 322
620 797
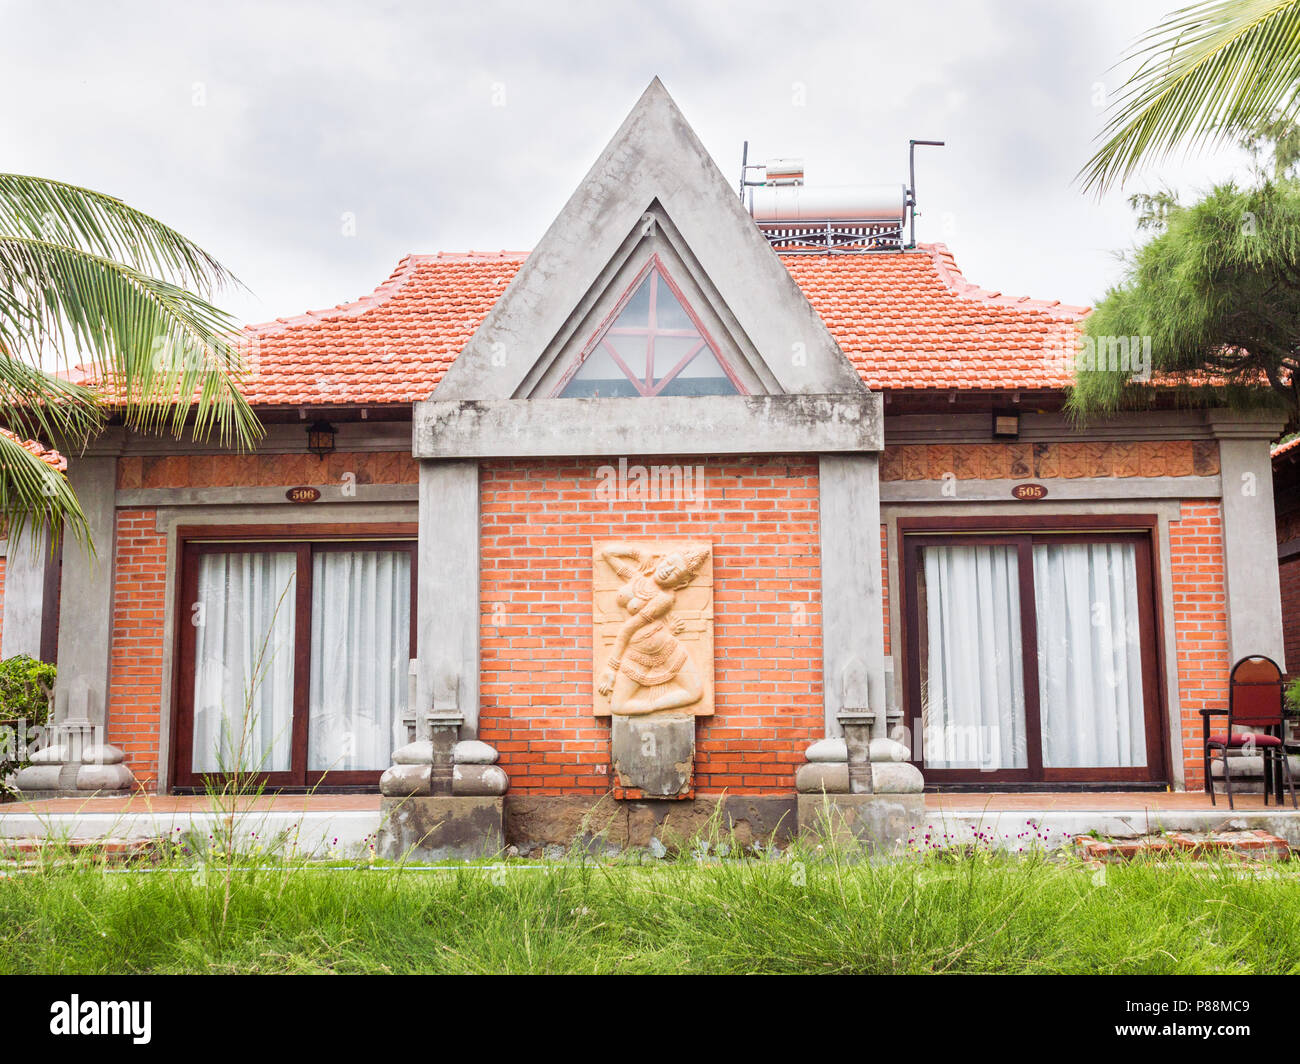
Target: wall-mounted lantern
320 438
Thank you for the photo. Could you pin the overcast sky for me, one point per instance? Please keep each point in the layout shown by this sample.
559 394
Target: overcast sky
255 128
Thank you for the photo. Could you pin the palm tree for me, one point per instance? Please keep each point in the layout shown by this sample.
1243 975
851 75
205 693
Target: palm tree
103 310
1208 73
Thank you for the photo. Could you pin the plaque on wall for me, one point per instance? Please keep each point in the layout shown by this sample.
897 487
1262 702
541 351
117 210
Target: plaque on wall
652 627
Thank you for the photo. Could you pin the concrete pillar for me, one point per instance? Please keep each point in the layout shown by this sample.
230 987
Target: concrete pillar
447 636
1250 533
85 636
30 598
79 761
853 627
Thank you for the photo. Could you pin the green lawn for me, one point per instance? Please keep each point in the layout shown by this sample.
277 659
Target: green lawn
975 914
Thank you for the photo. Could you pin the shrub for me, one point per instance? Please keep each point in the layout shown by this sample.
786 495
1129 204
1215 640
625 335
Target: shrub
26 690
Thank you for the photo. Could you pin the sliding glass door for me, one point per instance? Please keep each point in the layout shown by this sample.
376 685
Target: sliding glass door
1032 657
294 660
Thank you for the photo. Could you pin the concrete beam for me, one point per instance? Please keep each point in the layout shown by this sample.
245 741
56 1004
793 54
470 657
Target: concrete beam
86 629
359 494
853 633
1059 489
713 424
31 591
447 636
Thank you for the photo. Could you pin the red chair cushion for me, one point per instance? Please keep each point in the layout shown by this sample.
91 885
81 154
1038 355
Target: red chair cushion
1242 738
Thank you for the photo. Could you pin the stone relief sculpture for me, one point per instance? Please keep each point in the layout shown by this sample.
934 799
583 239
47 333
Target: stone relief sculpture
653 628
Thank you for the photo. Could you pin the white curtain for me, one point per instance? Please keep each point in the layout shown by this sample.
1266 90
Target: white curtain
360 658
243 662
1089 655
972 675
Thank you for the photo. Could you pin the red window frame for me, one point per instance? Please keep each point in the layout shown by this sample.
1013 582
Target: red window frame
1023 533
305 541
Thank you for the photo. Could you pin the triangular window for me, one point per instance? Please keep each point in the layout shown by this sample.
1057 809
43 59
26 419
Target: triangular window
654 344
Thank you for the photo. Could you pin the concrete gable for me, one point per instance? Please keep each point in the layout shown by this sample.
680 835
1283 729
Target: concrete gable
653 189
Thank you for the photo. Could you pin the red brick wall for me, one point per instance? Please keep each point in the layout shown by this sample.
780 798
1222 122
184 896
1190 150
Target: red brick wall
1201 624
135 666
539 520
1290 574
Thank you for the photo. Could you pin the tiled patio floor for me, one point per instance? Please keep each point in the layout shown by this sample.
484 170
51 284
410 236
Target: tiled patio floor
1102 800
1128 801
347 823
175 803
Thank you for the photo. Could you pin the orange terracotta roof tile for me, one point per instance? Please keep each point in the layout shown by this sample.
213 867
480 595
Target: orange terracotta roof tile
1286 448
47 455
906 320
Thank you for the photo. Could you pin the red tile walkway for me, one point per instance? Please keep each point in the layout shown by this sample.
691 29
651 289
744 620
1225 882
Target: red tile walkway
990 802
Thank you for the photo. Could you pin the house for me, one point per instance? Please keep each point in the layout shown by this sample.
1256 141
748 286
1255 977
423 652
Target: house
664 510
1286 489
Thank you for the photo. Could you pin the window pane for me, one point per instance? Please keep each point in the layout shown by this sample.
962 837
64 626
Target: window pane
1089 655
243 662
703 375
669 313
600 375
654 343
972 679
360 658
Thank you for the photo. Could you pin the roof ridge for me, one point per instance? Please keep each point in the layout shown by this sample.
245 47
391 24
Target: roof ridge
402 273
945 263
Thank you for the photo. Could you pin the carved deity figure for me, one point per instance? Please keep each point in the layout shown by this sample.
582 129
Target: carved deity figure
649 669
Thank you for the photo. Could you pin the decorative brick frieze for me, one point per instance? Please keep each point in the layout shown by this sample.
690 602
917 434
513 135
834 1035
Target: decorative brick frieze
1026 461
266 470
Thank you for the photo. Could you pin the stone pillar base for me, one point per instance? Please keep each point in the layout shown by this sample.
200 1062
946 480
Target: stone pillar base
465 769
77 765
880 823
441 828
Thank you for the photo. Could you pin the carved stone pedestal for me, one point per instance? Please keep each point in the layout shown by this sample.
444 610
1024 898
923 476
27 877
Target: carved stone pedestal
860 790
879 766
653 757
76 765
434 768
441 828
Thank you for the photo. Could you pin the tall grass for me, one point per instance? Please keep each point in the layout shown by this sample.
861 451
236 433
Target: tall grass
801 913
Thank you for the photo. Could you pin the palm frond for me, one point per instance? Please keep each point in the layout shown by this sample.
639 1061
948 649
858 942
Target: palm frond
35 403
1209 72
157 350
35 495
61 213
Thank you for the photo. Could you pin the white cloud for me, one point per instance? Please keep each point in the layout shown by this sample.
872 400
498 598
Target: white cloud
387 111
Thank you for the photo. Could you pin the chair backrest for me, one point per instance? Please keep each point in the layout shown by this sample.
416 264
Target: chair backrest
1255 693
